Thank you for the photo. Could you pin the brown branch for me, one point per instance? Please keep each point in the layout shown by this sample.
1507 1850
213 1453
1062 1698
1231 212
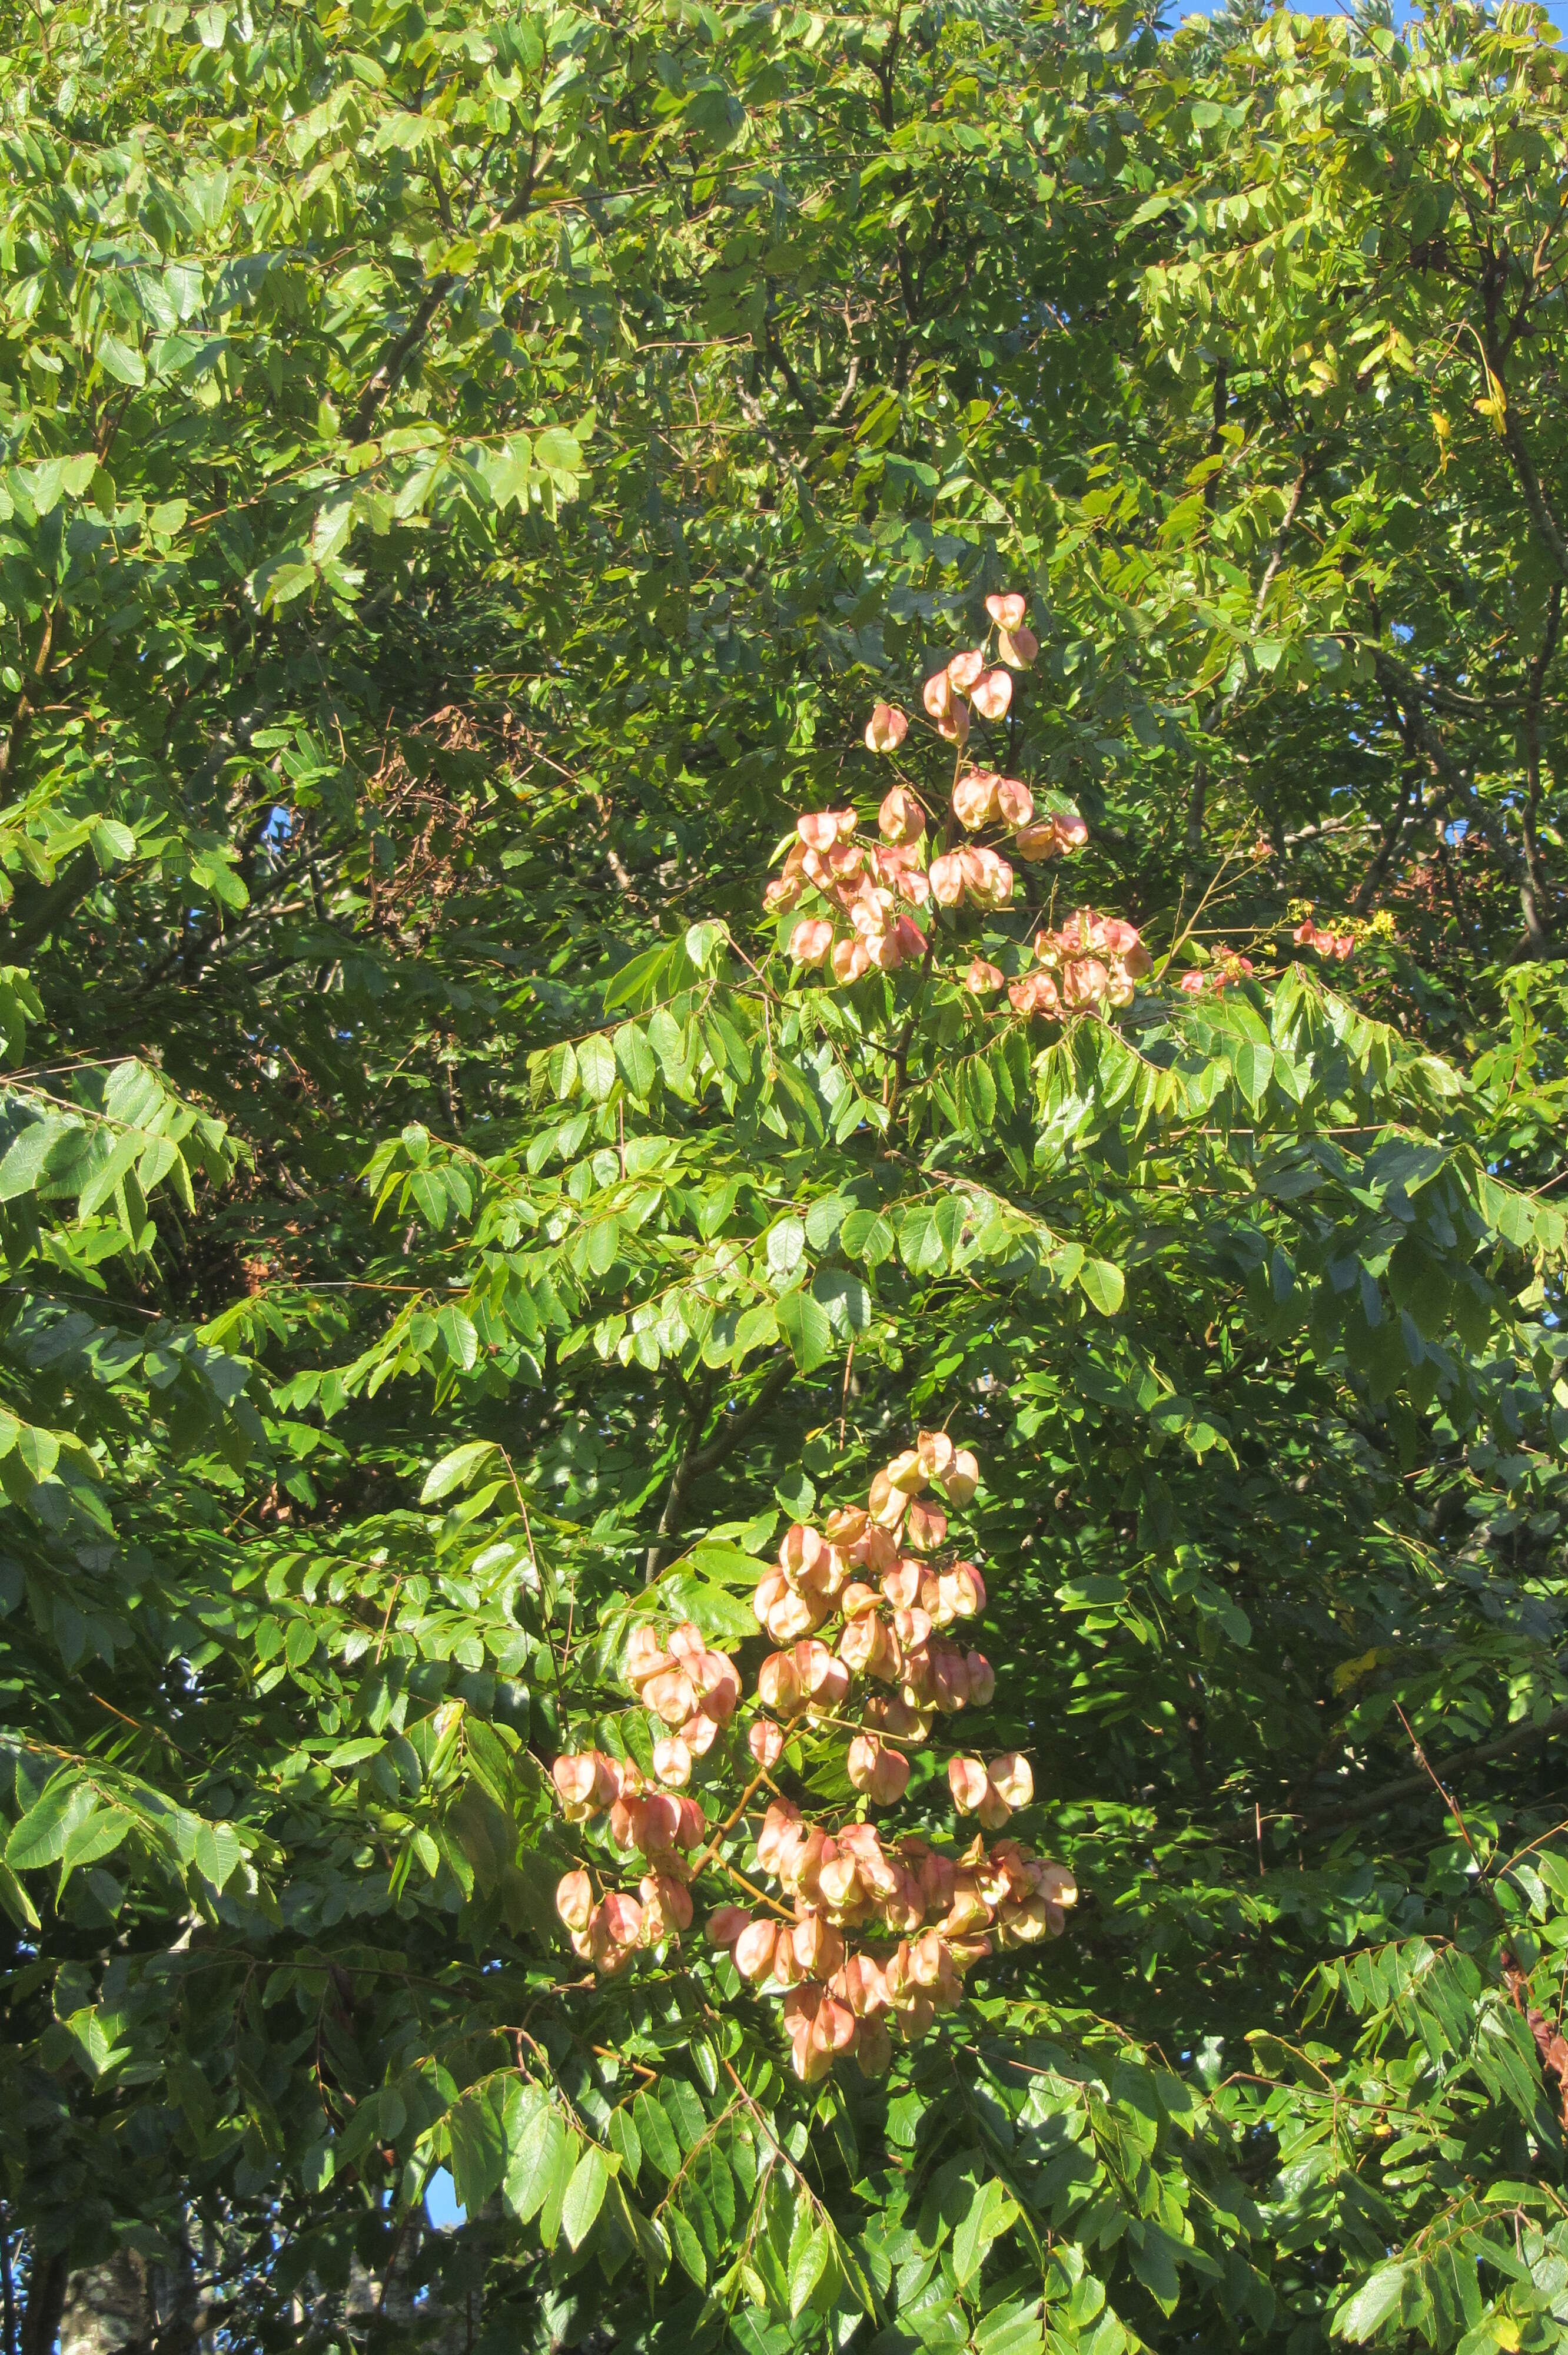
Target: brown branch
1410 1786
1458 792
1535 900
24 696
1548 530
699 1459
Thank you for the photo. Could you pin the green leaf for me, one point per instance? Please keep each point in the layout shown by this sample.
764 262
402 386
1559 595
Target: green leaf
808 2269
117 360
477 2145
585 2195
635 1059
805 1325
535 2166
1102 1284
687 2246
595 1066
1254 1069
654 2135
1362 2314
987 2217
457 1469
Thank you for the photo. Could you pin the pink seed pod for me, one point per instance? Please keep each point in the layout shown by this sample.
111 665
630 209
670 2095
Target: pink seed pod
967 1782
836 2027
799 1550
645 1656
934 1449
573 1899
937 695
726 1922
901 818
850 961
974 798
927 1526
795 1615
987 878
672 1761
1084 981
901 1584
887 728
961 1481
782 1822
982 980
754 1951
769 1587
778 1684
1036 994
965 669
766 1743
818 1949
574 1777
1017 648
810 940
782 894
1015 802
699 1734
671 1695
981 1679
863 1986
618 1923
947 880
961 1593
874 2049
1012 1779
1006 610
993 694
666 1907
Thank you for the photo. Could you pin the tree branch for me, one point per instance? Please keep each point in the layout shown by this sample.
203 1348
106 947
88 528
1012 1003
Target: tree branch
1410 1786
698 1460
1535 901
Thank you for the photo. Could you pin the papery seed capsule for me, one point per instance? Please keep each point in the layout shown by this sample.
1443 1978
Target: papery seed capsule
671 1695
962 1478
754 1950
725 1924
1010 1775
967 1782
818 1949
887 728
666 1907
965 669
1017 648
1015 802
1006 609
926 1528
901 818
574 1777
672 1761
766 1743
974 798
992 695
573 1899
810 940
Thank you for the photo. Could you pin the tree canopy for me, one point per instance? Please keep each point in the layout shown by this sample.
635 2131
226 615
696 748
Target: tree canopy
782 1415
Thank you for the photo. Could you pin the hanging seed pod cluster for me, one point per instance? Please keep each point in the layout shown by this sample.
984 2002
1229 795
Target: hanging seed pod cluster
864 1933
879 899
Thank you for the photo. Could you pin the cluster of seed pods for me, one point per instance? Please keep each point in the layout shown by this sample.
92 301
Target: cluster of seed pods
882 887
868 1937
1228 967
1310 936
